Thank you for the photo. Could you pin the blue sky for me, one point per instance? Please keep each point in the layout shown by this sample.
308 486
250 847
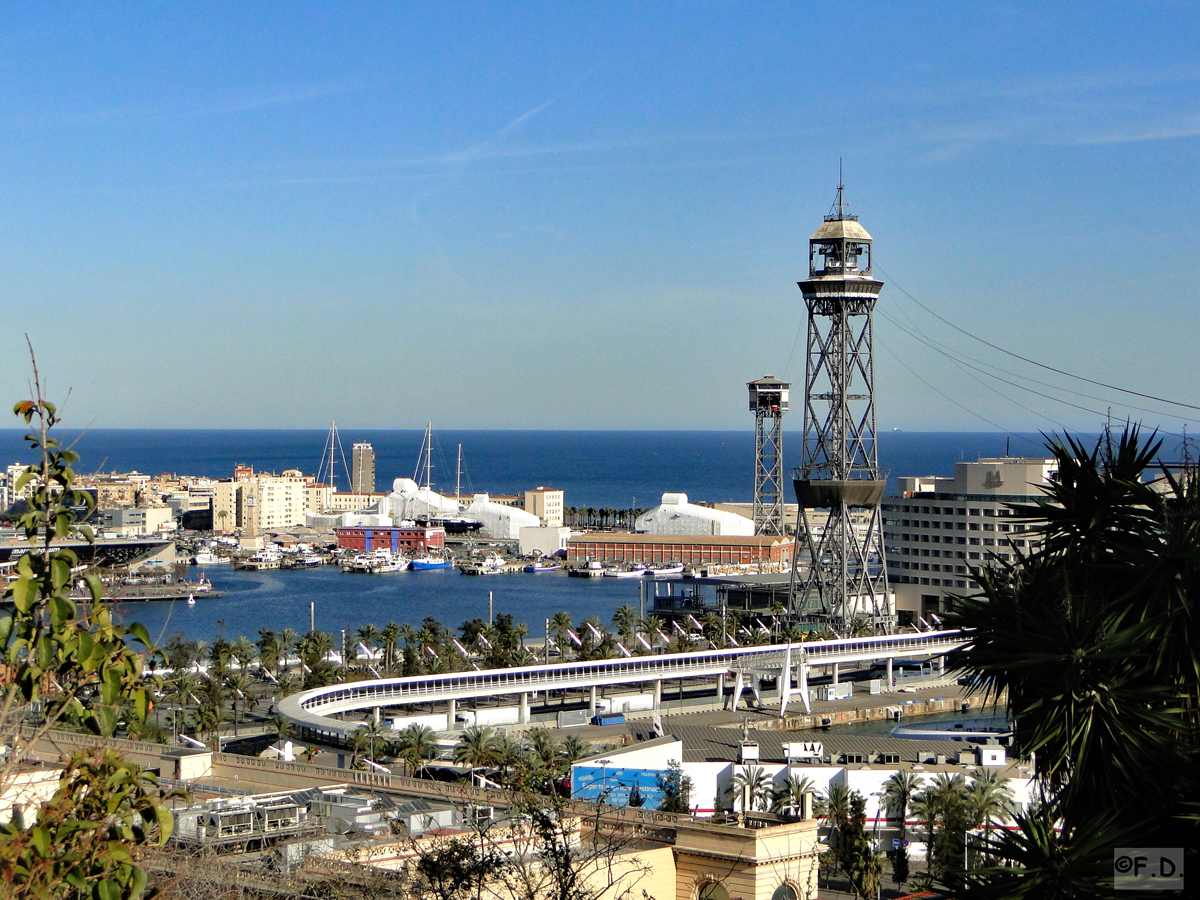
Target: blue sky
587 215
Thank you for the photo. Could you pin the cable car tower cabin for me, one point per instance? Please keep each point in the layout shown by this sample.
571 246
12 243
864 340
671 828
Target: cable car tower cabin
838 568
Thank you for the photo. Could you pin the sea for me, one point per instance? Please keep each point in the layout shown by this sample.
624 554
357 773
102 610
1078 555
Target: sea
617 469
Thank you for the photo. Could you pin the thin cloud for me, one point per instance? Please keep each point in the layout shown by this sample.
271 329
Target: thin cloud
152 112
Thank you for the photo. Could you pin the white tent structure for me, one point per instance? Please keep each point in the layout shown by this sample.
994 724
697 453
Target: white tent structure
409 500
676 516
347 520
501 521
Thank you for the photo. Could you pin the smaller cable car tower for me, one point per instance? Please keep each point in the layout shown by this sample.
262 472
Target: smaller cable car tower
768 402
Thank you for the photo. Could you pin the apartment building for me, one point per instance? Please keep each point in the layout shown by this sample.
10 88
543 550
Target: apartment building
253 502
938 529
362 468
547 504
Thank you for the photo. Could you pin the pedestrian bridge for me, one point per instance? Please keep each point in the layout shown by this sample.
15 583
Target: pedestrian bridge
310 712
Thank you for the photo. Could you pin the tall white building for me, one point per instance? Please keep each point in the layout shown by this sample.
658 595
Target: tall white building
938 529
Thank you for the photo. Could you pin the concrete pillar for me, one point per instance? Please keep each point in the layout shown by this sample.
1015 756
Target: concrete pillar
785 682
835 673
376 715
804 686
592 701
657 694
890 680
721 687
738 684
452 711
524 708
941 665
756 688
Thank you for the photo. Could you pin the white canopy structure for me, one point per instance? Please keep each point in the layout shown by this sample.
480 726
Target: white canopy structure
676 516
409 500
347 520
501 521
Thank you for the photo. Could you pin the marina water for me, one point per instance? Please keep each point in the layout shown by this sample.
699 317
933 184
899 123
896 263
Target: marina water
618 469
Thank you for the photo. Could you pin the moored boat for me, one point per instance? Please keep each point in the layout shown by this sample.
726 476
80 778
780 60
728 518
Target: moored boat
627 572
421 563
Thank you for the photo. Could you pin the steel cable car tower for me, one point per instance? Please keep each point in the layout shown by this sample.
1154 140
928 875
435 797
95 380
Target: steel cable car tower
838 567
768 402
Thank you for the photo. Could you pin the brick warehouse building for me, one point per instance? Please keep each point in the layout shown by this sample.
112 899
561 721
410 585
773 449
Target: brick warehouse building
398 540
677 548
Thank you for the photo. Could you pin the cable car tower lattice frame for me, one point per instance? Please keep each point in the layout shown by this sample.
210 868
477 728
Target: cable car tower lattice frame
839 572
768 401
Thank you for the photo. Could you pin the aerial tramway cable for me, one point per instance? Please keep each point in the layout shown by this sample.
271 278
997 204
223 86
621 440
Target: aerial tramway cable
1033 362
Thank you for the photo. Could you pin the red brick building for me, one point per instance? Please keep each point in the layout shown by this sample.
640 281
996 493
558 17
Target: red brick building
398 540
679 548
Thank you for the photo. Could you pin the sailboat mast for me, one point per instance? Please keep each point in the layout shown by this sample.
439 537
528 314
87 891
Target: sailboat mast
429 455
458 477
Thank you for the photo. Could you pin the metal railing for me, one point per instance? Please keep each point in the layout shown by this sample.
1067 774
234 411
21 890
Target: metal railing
309 710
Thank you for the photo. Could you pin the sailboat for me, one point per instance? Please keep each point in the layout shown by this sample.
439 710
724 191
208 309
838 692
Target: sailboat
452 524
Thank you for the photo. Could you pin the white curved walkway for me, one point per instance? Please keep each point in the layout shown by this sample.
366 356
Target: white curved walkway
310 711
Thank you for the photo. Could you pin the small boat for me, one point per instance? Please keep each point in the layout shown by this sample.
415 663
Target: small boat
664 571
539 566
592 570
383 567
629 572
206 557
422 563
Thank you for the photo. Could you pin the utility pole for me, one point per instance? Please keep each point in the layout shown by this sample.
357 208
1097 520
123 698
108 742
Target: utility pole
489 608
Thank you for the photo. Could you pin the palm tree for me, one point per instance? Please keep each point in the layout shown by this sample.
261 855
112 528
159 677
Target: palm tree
988 798
560 624
240 689
789 798
415 744
625 620
359 739
289 638
835 809
505 754
898 793
289 683
381 737
545 751
752 788
925 808
573 748
282 728
182 689
318 646
243 649
476 747
368 634
208 720
270 650
390 633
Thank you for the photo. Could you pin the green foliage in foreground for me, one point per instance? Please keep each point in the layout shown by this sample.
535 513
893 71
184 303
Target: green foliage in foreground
81 664
1095 638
